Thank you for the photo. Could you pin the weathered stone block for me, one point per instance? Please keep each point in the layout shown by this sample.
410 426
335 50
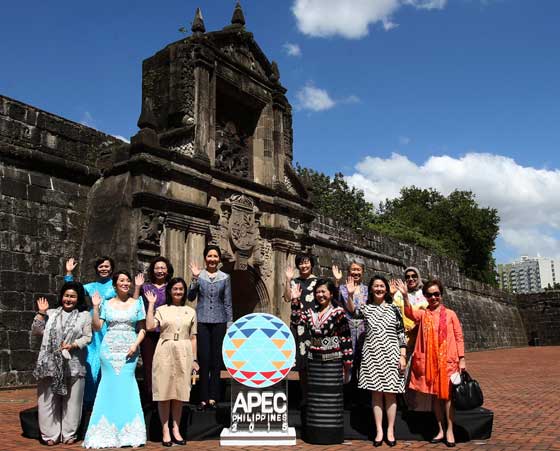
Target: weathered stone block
4 359
13 280
36 194
14 188
11 300
40 180
17 111
23 360
38 283
16 174
19 340
26 226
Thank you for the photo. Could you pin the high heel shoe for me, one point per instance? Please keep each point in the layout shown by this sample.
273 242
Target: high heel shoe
437 440
167 444
378 443
392 442
181 442
449 444
201 406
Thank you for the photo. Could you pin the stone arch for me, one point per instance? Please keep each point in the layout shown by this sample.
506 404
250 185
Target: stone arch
249 292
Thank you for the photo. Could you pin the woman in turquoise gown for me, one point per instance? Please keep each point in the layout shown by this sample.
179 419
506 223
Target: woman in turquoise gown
117 419
104 286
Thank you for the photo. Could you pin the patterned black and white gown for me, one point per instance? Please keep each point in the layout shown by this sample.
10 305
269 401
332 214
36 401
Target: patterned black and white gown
379 369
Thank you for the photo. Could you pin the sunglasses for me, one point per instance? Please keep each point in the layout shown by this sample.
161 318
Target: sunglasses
411 276
436 294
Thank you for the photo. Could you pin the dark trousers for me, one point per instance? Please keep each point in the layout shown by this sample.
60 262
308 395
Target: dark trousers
209 341
147 349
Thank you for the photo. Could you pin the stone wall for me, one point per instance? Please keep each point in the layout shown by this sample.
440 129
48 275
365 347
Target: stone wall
541 315
47 165
490 317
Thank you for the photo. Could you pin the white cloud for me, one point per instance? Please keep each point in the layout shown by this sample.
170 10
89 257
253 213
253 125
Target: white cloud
526 198
404 140
122 138
314 99
352 99
351 19
87 120
292 49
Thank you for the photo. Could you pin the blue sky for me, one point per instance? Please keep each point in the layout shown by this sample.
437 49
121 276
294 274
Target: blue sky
450 94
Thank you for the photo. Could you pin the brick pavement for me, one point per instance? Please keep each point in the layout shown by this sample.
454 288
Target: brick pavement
521 386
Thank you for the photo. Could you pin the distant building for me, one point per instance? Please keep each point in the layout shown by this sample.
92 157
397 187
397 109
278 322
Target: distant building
528 275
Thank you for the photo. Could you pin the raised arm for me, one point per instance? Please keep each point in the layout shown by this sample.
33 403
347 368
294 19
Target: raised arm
69 267
351 288
40 319
151 322
297 308
337 274
413 314
96 322
138 282
289 275
194 286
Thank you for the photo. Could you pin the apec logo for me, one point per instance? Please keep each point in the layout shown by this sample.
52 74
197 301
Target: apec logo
258 350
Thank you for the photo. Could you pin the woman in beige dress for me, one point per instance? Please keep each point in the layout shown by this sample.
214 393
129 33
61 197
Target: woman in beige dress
175 356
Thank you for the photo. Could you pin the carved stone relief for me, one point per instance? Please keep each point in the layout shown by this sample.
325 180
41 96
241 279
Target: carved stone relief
243 55
237 233
232 152
151 229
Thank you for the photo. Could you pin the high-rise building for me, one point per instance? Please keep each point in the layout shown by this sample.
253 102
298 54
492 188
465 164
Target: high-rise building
528 275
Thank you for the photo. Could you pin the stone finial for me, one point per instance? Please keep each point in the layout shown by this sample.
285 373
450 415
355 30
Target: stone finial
147 118
275 75
198 23
238 17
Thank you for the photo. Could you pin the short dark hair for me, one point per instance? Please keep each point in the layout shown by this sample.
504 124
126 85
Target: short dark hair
301 257
170 270
175 281
430 283
212 247
79 289
100 260
116 275
387 296
325 282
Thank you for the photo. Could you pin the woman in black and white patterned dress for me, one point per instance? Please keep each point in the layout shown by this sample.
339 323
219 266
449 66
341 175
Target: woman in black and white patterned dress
383 354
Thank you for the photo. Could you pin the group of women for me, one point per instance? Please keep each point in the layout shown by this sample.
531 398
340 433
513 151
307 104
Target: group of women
398 334
389 338
91 356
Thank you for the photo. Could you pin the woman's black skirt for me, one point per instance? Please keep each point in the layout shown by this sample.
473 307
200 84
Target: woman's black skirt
324 422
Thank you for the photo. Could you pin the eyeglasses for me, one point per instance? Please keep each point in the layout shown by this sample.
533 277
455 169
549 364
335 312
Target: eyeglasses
411 276
435 294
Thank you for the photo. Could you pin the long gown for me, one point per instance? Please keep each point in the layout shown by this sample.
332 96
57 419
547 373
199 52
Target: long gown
117 419
106 290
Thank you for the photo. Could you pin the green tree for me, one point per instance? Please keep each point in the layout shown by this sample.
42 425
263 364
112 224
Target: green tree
452 225
333 198
465 231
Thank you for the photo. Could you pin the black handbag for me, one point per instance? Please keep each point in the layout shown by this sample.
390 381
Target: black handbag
468 394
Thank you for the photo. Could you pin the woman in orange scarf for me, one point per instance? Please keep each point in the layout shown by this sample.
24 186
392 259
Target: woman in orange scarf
439 352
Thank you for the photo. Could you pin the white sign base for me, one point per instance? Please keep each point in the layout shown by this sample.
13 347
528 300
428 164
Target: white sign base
258 438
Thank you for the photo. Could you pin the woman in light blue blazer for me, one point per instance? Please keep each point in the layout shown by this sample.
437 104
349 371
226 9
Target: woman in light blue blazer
212 289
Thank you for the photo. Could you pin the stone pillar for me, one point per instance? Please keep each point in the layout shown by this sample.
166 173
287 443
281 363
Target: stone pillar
173 247
204 139
263 148
278 143
282 259
196 242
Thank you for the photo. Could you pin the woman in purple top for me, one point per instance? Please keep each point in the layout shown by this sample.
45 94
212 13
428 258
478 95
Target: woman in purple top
160 272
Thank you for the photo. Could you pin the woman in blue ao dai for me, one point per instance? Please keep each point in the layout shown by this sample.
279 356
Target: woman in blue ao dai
104 286
117 419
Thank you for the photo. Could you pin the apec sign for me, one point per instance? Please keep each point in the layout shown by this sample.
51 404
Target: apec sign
259 352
